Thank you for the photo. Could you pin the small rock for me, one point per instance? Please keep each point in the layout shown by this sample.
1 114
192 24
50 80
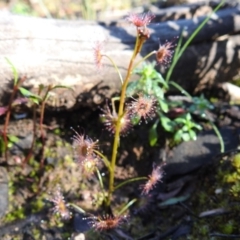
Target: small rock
232 90
191 155
80 236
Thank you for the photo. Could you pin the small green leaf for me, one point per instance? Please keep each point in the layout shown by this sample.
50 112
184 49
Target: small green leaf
13 138
188 117
148 86
14 70
178 136
153 136
27 93
181 120
186 137
158 92
199 127
131 88
192 135
161 80
164 106
167 123
35 100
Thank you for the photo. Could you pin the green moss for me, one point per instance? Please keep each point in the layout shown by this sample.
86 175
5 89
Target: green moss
59 143
57 131
228 227
233 177
37 205
17 213
36 233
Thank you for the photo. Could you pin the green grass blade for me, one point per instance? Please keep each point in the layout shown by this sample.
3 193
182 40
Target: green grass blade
187 43
14 70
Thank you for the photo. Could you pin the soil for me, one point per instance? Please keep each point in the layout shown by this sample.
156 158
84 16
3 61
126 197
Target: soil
173 209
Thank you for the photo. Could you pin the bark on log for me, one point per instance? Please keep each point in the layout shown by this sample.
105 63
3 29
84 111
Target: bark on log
49 51
190 9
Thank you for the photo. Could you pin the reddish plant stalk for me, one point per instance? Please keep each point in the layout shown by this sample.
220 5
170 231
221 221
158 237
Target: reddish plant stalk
42 111
8 114
30 153
41 125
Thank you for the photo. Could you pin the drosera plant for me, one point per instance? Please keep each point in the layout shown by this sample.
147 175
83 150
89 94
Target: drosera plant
126 110
137 103
118 119
119 122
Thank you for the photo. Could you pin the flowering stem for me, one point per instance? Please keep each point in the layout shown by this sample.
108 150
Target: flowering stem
127 206
77 208
105 160
101 183
218 135
138 45
144 59
115 66
177 86
100 178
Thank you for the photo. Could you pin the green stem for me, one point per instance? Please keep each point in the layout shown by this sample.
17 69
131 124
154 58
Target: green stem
101 184
118 124
177 86
76 207
144 59
222 147
115 66
129 181
100 179
105 160
127 206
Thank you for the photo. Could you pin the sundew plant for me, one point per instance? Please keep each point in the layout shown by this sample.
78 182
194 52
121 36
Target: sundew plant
118 118
131 107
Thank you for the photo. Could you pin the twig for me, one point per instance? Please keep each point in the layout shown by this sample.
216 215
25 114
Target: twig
224 235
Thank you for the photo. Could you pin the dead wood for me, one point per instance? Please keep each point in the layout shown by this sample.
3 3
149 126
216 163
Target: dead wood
187 9
49 51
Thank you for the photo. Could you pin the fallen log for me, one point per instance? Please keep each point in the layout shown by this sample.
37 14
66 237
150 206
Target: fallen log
49 51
